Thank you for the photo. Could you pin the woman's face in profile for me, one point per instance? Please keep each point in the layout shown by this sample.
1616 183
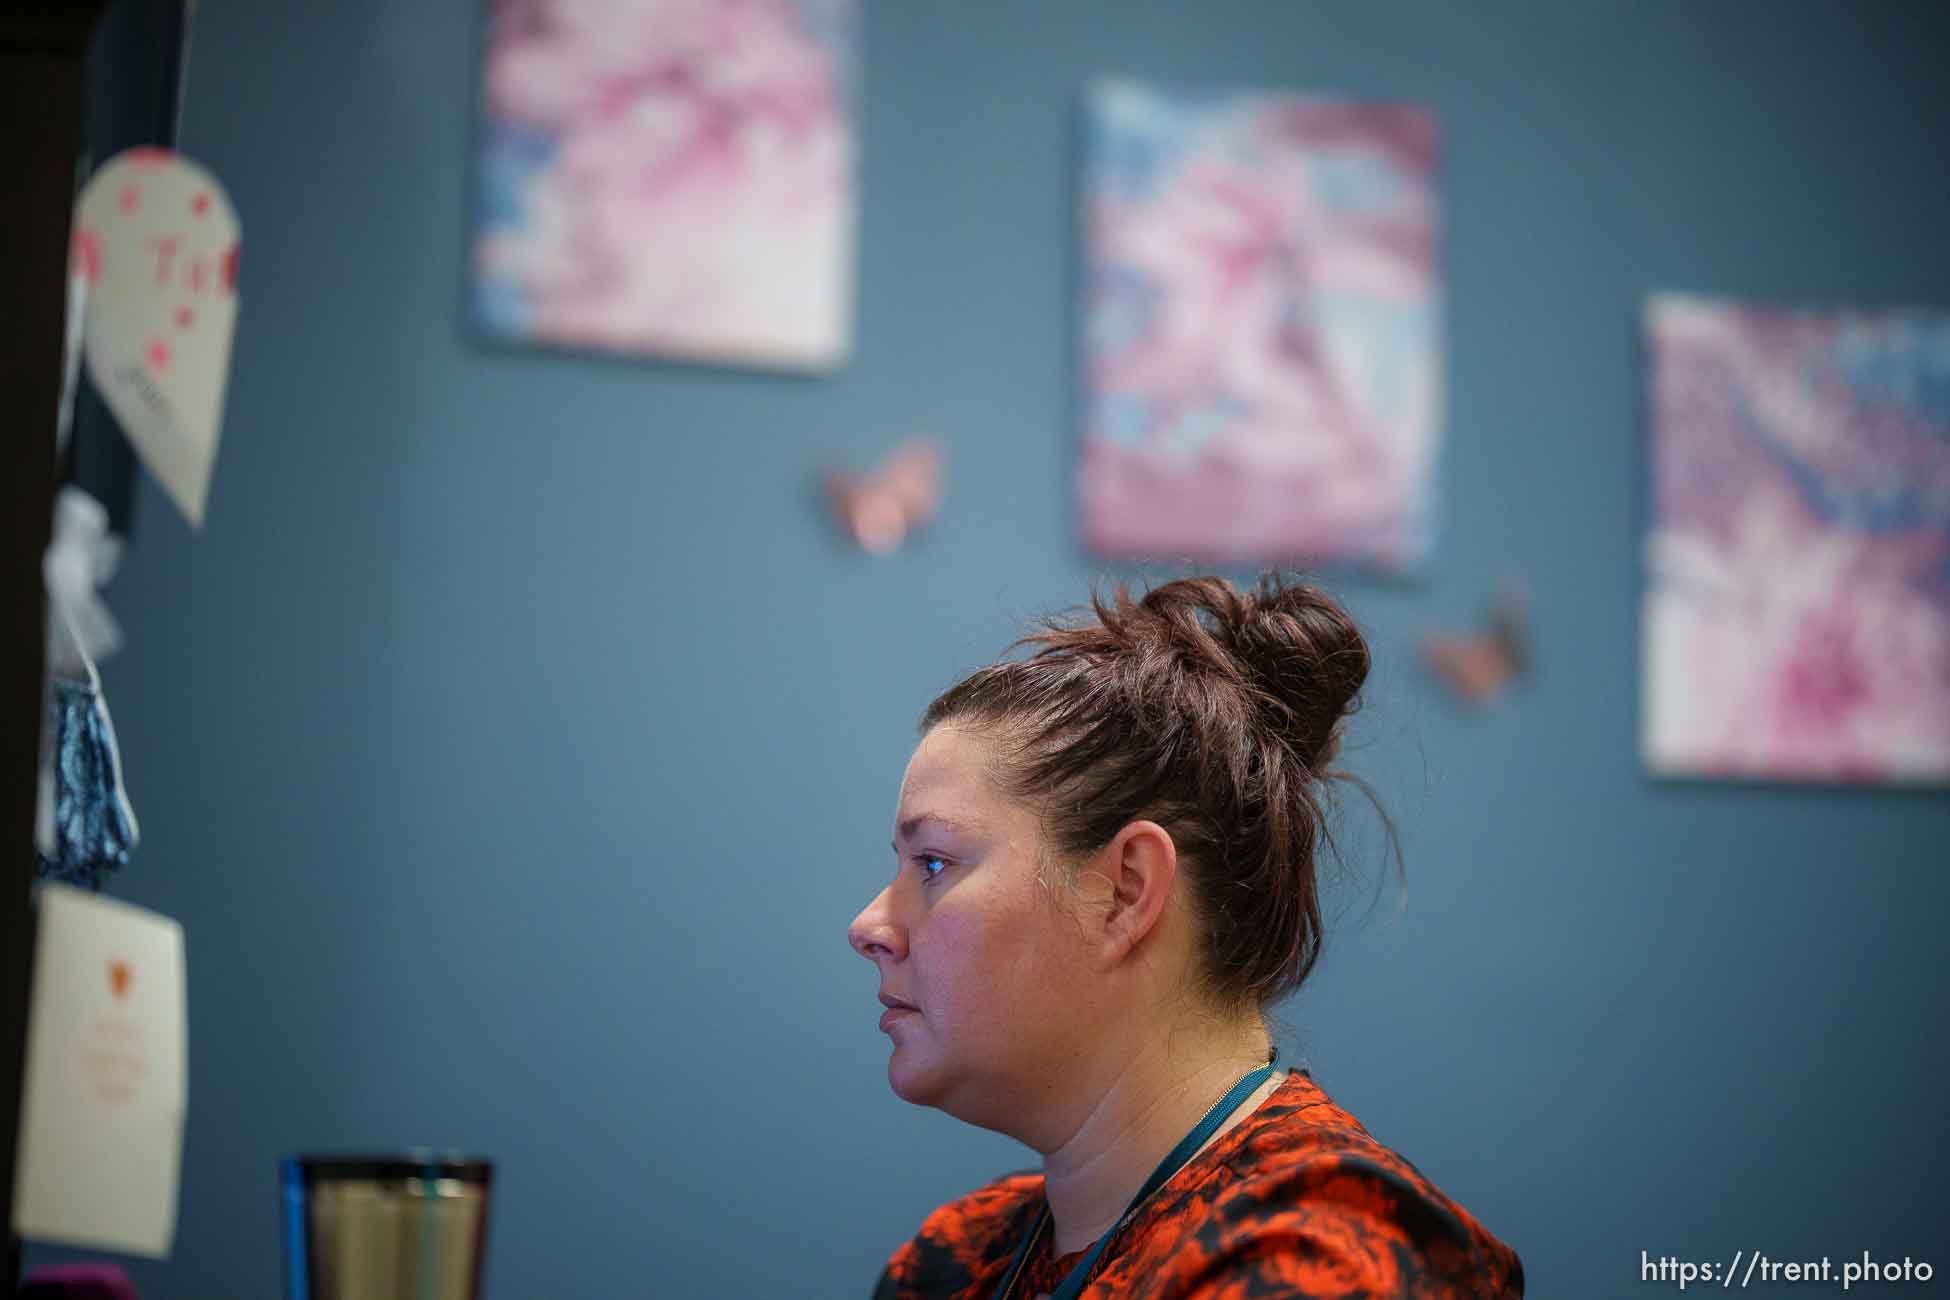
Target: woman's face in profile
969 938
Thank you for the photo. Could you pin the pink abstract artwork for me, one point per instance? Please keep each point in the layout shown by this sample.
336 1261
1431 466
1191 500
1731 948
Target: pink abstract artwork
669 177
1261 362
1796 618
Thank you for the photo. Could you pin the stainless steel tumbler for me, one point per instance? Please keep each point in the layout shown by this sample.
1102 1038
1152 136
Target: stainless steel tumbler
388 1227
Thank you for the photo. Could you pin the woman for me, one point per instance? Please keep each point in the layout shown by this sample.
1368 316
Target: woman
1106 874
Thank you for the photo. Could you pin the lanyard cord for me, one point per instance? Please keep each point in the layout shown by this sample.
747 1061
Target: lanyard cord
1189 1144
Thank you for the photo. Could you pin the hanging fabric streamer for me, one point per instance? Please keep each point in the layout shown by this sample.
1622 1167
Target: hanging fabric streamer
83 825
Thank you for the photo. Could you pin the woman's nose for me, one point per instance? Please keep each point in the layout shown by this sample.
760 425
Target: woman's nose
875 934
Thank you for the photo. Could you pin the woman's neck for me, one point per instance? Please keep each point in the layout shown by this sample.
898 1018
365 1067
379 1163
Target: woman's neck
1151 1102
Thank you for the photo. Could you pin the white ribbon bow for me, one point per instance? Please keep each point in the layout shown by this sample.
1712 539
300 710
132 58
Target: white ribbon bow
82 556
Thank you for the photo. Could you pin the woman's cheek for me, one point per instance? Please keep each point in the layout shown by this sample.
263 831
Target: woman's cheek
968 983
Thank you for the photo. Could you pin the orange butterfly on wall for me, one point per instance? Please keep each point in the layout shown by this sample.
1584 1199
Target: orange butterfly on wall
879 510
1478 666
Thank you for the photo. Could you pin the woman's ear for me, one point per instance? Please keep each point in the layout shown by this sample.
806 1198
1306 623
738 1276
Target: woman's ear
1137 870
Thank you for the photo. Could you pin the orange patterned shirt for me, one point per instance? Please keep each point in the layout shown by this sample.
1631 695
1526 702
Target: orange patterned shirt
1296 1200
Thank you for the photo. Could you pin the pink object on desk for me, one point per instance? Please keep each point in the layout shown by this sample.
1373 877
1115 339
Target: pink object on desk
78 1282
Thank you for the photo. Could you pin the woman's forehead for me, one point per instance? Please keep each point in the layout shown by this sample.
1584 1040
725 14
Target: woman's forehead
947 755
947 779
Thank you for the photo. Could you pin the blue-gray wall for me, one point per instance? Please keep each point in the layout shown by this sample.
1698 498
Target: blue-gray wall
515 743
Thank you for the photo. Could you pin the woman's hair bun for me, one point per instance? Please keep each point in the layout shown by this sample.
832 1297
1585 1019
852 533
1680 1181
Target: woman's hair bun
1289 642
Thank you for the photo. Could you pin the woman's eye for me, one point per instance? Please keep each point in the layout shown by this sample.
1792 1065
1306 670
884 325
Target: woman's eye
928 873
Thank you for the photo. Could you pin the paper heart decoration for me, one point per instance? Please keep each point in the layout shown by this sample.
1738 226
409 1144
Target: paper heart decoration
878 510
156 238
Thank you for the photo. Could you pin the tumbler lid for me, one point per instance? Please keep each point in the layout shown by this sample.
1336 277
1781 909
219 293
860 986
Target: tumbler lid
416 1163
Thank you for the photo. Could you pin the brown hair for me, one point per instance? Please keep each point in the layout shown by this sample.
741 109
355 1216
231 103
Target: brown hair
1211 711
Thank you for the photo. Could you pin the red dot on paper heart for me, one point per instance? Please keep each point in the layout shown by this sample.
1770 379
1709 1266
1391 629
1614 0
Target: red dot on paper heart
183 317
230 266
200 204
88 252
131 198
158 355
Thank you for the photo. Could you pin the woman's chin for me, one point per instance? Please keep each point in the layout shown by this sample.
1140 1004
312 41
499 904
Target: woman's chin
911 1078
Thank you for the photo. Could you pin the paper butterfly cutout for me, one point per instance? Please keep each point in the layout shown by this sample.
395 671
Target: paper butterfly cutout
1478 666
880 509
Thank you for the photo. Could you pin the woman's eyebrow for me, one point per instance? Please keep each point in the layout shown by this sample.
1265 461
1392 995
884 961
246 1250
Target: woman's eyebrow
913 824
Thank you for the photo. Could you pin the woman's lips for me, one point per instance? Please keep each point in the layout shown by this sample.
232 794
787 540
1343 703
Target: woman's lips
895 1010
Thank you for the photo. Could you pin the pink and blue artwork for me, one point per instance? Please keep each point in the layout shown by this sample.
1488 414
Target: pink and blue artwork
1261 363
1796 616
669 177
